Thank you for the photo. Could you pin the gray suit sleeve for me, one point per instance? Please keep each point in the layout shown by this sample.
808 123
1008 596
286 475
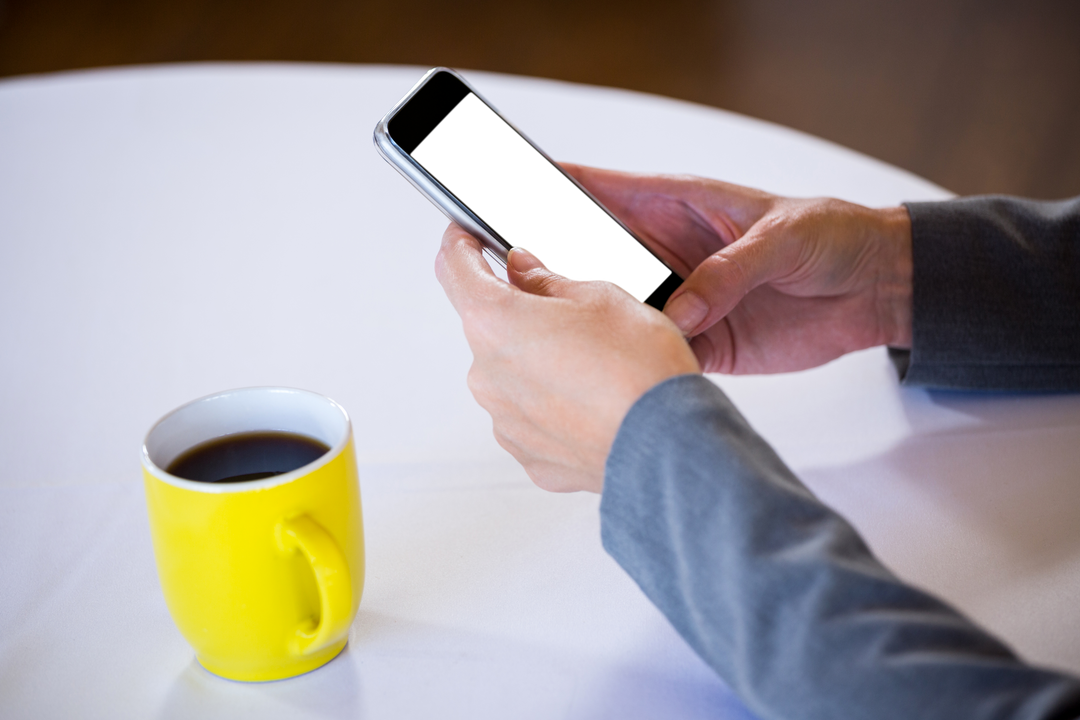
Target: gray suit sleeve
779 594
996 295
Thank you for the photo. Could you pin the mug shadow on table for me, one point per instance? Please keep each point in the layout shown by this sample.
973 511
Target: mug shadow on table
332 691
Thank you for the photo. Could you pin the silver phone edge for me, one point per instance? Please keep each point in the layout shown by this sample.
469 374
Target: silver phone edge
426 184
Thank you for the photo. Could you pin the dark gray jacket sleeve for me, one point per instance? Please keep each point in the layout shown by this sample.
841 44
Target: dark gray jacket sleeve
996 294
779 594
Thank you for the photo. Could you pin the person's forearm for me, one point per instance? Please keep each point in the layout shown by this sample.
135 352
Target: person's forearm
996 302
779 594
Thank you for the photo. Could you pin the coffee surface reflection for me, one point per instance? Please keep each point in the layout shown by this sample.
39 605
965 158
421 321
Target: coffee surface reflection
246 456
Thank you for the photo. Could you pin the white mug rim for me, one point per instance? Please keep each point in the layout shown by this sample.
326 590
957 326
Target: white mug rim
250 485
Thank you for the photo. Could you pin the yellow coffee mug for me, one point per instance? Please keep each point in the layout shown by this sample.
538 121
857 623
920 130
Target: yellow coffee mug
262 577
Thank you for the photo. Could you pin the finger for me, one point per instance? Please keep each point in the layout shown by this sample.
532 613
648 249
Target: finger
573 169
527 271
463 272
723 279
621 192
729 210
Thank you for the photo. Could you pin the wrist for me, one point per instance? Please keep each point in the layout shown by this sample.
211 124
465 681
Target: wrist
895 277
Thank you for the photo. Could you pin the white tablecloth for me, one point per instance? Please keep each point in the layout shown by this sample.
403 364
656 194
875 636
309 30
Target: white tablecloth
169 232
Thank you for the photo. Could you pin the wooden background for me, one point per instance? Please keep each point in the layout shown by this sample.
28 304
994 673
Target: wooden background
980 96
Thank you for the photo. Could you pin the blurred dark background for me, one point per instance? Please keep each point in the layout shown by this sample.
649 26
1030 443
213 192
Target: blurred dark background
977 95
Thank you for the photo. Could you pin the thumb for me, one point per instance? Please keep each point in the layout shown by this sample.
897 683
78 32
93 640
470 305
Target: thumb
724 278
527 273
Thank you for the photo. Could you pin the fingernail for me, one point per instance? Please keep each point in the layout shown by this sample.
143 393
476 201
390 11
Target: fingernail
687 311
522 260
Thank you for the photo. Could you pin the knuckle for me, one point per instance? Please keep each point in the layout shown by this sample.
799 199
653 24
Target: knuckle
482 332
440 264
544 283
477 382
507 443
724 271
504 441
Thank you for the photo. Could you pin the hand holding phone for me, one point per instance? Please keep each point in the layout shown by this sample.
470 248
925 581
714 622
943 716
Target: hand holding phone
556 363
493 181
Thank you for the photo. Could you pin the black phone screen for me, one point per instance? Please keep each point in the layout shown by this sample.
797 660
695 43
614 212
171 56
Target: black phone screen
521 195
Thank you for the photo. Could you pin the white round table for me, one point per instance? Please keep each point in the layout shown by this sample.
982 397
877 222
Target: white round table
168 232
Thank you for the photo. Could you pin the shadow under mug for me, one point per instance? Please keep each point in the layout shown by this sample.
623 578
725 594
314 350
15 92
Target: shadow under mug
263 577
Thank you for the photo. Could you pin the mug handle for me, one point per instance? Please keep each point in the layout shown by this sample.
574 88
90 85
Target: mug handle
331 576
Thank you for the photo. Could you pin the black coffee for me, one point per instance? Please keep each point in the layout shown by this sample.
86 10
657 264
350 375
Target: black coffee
246 456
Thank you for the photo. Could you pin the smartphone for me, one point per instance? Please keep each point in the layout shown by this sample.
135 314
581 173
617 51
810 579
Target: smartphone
484 174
